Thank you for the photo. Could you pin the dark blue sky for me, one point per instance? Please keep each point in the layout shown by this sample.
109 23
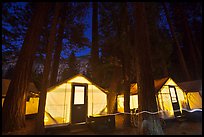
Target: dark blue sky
88 33
88 30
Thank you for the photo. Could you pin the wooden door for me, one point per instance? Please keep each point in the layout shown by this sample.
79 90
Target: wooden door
79 103
174 100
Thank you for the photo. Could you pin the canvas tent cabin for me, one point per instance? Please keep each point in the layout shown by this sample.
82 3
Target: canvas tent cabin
32 98
193 90
73 101
170 98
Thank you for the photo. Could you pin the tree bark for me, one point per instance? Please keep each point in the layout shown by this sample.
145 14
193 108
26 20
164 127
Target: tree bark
113 87
191 45
148 124
95 48
156 40
126 62
179 52
41 108
127 104
13 112
58 49
165 68
111 103
197 40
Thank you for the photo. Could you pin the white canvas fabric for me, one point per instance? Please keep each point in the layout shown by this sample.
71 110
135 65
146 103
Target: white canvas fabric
163 97
58 101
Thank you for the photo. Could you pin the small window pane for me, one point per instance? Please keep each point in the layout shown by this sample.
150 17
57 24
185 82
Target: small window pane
174 100
173 94
79 95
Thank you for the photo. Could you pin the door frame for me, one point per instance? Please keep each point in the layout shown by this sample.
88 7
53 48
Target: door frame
85 85
176 100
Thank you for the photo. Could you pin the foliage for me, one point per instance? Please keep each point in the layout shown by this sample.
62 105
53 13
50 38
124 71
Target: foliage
15 18
161 45
72 67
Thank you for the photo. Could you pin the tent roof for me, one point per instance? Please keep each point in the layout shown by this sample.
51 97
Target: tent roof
191 86
6 82
157 85
105 91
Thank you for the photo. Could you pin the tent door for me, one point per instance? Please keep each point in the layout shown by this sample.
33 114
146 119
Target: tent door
174 100
79 103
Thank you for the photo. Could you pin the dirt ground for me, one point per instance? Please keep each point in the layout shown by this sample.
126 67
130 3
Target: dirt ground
187 126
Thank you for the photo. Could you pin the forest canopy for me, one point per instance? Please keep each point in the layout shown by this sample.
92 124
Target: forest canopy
113 43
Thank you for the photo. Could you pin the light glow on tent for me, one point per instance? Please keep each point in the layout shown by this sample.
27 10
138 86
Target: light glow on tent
31 105
59 105
194 100
45 119
163 97
79 79
164 103
120 102
97 101
133 101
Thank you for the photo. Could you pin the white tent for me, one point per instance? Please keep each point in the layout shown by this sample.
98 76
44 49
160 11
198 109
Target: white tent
193 90
32 101
73 101
170 98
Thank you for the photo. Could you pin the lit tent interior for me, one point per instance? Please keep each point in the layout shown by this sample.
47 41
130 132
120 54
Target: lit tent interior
193 90
73 101
32 99
170 98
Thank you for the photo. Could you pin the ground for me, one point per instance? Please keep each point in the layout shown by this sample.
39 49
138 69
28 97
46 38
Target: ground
191 125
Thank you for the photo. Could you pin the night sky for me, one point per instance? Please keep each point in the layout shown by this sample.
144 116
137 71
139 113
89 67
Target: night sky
87 32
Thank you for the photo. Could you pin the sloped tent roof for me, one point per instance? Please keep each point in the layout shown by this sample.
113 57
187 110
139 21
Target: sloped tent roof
64 81
31 89
193 91
157 85
191 86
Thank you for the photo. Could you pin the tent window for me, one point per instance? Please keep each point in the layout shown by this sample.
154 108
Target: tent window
173 94
79 95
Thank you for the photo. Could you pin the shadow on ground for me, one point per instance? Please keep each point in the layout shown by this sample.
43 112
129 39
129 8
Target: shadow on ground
189 124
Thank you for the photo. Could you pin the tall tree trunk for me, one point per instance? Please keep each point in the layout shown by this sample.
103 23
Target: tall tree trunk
165 68
197 40
155 37
127 103
95 48
13 112
148 124
179 52
126 61
111 103
41 108
191 45
58 49
113 87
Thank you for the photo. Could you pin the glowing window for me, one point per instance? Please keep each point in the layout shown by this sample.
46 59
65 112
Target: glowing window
79 95
173 94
